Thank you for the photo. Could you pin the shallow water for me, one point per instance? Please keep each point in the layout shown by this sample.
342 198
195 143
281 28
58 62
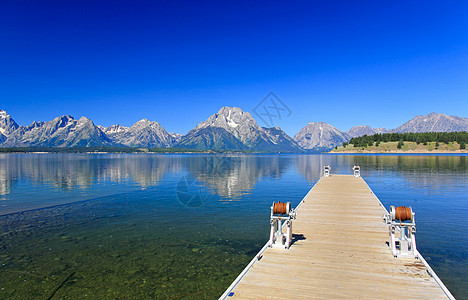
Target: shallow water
184 226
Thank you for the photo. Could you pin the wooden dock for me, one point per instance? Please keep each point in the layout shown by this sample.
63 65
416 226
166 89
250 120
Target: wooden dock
340 252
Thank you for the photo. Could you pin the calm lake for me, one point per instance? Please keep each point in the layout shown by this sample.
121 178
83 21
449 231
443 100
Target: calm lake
184 226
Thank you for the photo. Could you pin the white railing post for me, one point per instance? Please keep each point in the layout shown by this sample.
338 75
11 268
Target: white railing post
326 171
357 171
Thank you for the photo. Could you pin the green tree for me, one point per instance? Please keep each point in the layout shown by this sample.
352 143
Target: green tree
400 144
462 145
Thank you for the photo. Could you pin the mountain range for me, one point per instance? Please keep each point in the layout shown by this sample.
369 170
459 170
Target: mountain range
230 128
432 122
143 133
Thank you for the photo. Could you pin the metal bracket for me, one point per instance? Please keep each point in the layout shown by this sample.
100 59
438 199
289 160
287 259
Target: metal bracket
402 234
281 228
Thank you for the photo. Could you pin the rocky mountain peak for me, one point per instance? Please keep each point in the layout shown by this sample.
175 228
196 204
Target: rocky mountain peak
235 121
60 122
233 128
175 137
7 124
145 122
380 130
64 119
62 131
84 120
320 136
35 124
229 118
360 131
113 129
227 111
4 114
144 133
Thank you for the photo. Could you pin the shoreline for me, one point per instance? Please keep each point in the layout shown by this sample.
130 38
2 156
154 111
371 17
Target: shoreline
404 147
153 152
400 152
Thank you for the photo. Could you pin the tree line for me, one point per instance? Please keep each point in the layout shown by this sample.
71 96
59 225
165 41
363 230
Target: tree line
461 137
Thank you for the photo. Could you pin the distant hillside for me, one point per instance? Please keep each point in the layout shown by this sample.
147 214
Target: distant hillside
434 123
357 131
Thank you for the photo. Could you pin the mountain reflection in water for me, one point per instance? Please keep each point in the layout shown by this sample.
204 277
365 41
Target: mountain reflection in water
100 211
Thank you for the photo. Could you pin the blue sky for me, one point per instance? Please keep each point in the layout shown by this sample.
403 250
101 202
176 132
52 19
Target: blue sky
342 62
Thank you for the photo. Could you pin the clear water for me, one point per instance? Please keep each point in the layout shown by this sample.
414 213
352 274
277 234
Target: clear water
184 226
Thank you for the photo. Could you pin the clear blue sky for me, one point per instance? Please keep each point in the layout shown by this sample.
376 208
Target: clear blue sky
342 62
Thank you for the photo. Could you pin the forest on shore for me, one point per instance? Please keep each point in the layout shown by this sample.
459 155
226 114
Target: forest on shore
407 142
418 137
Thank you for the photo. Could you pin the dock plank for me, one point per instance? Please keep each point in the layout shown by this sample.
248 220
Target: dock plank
343 253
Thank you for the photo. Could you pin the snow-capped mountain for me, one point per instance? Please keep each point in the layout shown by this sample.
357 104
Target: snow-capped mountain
320 136
113 129
143 133
232 128
380 130
235 121
7 124
434 122
65 131
175 137
62 131
279 137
